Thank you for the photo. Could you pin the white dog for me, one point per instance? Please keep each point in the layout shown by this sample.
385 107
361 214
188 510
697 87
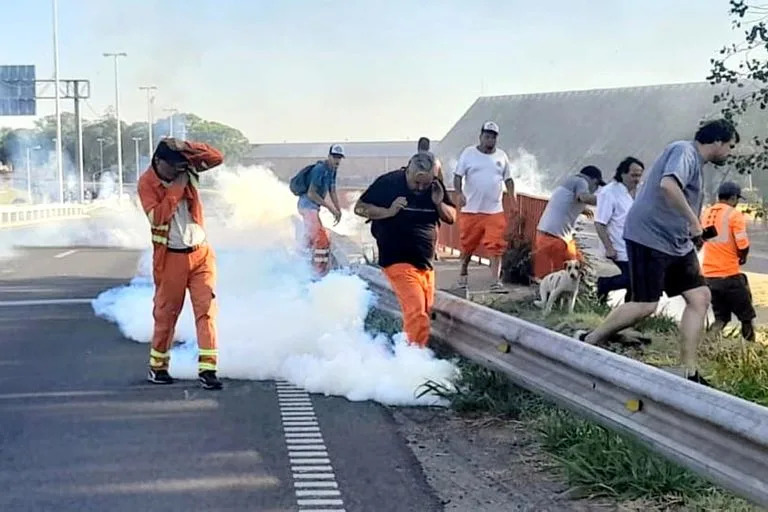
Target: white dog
554 286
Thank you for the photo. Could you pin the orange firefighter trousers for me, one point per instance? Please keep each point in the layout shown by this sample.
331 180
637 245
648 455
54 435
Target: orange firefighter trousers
176 272
317 241
550 254
415 291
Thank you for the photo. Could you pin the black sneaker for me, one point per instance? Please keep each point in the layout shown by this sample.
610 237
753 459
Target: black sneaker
698 379
159 377
209 380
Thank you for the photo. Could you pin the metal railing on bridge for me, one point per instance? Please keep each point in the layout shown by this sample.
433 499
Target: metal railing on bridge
21 215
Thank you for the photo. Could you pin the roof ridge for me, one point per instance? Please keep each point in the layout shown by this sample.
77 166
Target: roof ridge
604 89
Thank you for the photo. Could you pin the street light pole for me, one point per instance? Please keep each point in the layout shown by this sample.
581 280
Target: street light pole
173 112
100 140
117 116
150 100
29 170
59 158
136 148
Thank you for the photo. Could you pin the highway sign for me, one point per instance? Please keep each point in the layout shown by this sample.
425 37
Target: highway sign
17 91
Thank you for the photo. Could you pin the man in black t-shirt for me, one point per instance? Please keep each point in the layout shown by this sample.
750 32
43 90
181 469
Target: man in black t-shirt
404 207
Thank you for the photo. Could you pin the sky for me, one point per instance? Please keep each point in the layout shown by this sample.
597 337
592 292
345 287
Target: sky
333 70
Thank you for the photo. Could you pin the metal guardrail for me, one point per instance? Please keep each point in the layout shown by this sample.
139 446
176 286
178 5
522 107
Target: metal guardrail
17 215
719 436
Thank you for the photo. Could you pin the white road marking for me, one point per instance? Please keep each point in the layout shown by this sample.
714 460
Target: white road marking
313 475
44 302
318 503
66 253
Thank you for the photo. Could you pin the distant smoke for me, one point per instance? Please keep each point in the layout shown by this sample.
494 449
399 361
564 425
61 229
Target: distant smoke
529 178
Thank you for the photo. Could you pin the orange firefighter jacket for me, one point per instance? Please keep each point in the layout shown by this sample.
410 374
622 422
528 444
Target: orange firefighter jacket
159 201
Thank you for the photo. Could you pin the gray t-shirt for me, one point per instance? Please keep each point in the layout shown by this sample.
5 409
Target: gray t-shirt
559 217
654 223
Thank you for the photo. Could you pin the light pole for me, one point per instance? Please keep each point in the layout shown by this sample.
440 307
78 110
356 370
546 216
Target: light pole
117 116
136 148
172 111
100 140
150 101
59 159
29 171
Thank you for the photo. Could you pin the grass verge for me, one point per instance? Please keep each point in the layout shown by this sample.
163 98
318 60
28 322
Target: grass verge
596 462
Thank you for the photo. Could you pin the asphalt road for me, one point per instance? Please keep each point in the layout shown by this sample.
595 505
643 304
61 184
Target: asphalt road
80 429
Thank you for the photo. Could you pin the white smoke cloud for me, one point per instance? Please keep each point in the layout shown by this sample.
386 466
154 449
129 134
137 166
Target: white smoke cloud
529 179
274 322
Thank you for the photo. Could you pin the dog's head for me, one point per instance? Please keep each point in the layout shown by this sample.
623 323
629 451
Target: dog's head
573 268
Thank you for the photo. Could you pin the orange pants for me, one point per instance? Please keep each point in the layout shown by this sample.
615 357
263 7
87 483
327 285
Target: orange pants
317 241
550 254
197 271
485 228
415 291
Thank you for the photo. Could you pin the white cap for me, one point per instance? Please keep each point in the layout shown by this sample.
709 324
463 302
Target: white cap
490 126
336 149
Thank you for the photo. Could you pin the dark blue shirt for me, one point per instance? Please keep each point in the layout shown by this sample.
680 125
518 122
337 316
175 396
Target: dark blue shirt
324 180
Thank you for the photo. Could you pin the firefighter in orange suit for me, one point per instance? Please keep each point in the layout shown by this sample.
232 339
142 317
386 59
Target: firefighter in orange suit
182 258
404 207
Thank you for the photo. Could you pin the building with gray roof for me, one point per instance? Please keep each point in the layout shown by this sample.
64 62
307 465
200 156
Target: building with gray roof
551 135
364 161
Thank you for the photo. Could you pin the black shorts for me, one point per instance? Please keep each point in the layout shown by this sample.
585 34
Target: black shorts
731 295
652 272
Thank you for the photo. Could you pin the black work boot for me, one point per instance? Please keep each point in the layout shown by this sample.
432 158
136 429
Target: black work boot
159 377
698 379
209 380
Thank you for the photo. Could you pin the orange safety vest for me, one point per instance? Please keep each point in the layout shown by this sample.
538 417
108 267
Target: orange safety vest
721 254
159 201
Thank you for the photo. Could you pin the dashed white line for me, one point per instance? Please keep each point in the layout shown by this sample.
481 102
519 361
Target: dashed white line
44 302
66 253
314 480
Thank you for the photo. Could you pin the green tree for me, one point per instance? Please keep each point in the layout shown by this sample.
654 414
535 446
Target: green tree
230 141
13 143
741 72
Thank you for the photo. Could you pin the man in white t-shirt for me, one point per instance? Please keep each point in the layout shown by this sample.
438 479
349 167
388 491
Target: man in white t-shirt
613 203
479 179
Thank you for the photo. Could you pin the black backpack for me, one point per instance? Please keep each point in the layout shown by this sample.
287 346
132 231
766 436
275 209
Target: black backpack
299 184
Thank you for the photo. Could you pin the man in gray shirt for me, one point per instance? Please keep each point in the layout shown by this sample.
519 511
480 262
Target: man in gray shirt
663 233
554 244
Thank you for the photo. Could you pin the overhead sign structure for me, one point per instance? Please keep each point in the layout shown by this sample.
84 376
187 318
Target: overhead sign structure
17 91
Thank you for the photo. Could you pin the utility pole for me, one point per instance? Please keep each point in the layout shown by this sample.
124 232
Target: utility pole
59 157
136 149
150 102
117 118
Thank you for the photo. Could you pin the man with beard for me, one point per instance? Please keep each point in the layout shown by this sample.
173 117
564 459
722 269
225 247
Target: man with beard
613 204
404 207
663 233
479 177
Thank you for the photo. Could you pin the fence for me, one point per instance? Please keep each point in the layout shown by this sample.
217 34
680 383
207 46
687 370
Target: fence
11 216
523 219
